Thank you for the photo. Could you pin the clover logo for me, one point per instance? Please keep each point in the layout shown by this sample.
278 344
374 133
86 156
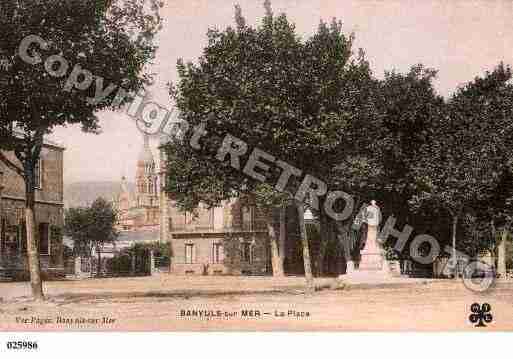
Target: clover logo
480 314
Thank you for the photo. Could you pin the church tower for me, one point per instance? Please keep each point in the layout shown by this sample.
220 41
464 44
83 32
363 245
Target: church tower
147 184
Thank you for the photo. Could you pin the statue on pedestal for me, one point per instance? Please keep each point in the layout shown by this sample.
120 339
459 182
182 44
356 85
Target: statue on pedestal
371 254
365 253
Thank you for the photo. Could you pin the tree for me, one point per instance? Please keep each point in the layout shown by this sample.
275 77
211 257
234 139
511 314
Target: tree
293 99
408 107
339 125
91 228
243 80
469 150
108 41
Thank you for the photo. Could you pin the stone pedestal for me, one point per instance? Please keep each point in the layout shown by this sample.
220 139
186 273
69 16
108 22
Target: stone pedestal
372 267
371 256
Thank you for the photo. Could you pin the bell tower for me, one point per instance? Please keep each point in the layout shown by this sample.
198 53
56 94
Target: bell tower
147 191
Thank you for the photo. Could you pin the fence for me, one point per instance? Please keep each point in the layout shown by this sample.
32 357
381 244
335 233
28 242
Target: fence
120 265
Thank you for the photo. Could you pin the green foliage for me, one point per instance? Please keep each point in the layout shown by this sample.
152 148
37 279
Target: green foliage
307 103
113 39
120 264
67 252
55 232
91 227
467 157
315 104
159 249
312 233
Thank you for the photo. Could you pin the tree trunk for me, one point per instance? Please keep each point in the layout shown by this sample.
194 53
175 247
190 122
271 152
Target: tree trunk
347 245
454 226
306 250
283 235
99 264
326 232
501 255
32 246
275 254
320 259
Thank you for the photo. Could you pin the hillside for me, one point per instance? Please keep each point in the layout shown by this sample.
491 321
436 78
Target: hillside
84 193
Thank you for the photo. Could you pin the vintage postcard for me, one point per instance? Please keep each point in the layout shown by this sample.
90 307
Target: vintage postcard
277 165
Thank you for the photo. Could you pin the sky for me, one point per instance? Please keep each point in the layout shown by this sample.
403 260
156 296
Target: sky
460 39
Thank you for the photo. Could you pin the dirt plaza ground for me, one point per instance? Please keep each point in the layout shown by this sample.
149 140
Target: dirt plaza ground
174 303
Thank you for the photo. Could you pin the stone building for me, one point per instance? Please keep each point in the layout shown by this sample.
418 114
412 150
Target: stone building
48 212
140 210
229 239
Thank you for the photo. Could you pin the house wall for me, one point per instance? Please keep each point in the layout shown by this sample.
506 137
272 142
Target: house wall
52 179
48 209
231 258
225 225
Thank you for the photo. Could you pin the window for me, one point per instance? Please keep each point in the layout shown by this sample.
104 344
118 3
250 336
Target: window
190 253
38 174
245 252
247 218
44 245
10 239
217 253
21 240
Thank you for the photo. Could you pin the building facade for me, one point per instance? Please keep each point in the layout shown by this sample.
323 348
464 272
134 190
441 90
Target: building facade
48 212
229 239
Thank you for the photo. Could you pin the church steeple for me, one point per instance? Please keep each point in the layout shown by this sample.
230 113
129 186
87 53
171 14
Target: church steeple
146 156
143 209
146 176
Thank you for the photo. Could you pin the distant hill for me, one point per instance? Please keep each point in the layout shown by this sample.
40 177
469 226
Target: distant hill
81 194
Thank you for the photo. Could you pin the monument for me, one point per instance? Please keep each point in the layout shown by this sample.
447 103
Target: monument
372 255
372 265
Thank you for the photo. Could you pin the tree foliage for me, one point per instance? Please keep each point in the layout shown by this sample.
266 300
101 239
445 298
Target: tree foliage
91 227
465 166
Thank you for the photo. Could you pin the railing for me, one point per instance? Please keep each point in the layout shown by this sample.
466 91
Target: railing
11 265
13 262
